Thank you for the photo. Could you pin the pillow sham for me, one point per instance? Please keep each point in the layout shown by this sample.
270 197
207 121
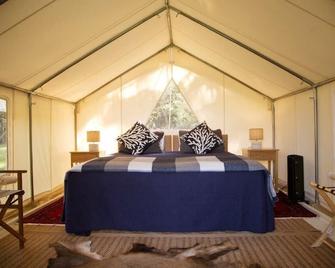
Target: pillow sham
157 146
136 139
202 139
183 147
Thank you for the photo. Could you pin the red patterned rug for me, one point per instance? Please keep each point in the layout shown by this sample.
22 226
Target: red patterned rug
284 208
52 213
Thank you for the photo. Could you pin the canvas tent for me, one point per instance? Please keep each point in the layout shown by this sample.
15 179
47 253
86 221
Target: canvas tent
72 66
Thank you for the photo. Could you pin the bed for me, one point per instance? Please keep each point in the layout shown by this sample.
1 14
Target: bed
169 192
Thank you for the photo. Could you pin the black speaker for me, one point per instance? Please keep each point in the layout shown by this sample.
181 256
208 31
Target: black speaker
295 177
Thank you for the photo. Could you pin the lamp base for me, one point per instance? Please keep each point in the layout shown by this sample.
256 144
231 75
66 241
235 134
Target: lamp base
256 145
93 147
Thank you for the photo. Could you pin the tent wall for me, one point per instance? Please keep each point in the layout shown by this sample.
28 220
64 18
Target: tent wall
53 139
294 123
295 134
212 96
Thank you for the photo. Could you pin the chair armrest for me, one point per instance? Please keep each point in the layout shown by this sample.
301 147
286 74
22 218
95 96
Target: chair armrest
13 171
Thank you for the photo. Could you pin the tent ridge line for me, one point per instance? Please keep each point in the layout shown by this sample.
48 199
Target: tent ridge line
12 87
296 92
97 48
225 73
168 18
123 73
239 43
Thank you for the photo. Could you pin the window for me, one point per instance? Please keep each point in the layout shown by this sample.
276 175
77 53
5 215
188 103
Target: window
3 134
172 111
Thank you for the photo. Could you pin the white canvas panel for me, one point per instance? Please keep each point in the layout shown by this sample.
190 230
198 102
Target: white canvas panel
62 140
41 124
142 88
266 87
326 104
324 10
21 153
110 61
61 33
245 109
295 135
13 12
101 111
305 137
297 38
202 88
286 134
242 64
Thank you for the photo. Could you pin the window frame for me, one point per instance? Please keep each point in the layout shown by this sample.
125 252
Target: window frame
6 99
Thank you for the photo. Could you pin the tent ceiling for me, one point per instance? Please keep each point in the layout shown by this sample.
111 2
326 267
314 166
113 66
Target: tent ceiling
285 32
41 38
62 32
229 57
110 61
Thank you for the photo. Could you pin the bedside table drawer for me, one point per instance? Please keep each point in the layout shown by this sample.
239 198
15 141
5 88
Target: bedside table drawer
79 157
262 155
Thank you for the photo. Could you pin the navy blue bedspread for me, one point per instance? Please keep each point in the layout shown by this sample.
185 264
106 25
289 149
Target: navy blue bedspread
168 202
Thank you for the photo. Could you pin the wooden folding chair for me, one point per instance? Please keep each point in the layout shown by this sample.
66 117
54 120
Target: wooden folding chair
10 204
324 191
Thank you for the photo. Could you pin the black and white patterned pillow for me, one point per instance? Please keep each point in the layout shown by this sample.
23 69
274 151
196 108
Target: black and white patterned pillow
137 139
202 139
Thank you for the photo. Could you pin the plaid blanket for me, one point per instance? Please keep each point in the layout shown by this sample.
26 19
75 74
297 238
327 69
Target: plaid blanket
175 162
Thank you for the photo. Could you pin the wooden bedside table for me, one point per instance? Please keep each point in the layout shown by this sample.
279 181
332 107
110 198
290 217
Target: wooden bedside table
265 155
79 157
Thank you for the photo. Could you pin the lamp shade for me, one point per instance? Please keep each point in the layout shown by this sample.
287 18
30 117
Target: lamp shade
256 134
93 136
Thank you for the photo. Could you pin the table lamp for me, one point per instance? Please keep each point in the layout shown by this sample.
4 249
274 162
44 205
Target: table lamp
256 137
93 137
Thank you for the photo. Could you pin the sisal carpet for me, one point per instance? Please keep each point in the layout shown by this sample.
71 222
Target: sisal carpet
288 246
52 213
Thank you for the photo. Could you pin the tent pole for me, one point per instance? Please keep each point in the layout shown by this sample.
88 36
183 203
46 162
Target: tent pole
168 18
92 51
239 43
273 124
316 140
31 155
75 127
